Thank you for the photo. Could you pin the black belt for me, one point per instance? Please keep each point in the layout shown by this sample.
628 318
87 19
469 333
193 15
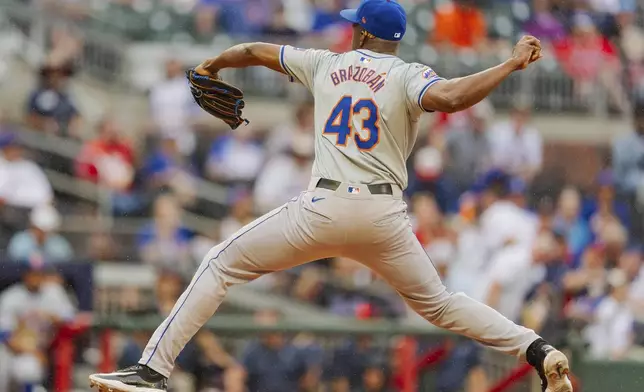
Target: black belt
377 189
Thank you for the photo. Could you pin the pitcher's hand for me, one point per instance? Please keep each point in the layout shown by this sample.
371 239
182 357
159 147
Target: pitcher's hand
526 51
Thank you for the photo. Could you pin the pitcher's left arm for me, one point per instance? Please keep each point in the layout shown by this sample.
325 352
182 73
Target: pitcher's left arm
244 55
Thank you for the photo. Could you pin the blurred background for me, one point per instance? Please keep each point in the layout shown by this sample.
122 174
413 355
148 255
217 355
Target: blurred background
113 186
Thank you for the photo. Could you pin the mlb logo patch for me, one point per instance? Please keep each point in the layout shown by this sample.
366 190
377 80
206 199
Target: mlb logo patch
353 190
365 60
429 73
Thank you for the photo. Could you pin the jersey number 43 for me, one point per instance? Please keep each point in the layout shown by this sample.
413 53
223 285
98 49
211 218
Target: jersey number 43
340 123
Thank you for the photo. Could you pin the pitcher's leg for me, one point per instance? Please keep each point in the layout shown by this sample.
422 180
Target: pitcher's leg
402 261
268 244
405 266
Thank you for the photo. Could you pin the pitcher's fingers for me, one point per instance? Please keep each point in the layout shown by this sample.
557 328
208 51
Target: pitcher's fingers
530 40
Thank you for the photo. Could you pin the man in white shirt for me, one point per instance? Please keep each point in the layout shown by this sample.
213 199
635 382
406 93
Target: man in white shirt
610 334
173 108
285 175
29 311
516 146
513 271
235 158
502 222
22 182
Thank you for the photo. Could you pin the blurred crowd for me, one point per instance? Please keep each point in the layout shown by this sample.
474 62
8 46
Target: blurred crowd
568 259
598 44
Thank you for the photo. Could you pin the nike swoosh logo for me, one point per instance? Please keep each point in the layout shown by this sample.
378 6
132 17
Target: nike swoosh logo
316 199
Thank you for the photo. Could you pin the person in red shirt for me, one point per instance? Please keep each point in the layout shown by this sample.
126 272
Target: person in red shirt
432 231
588 57
108 159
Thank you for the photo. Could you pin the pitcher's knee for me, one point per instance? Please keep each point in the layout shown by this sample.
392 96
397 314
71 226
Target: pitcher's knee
231 267
430 307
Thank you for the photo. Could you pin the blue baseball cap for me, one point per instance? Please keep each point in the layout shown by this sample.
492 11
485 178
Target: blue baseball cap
8 139
385 19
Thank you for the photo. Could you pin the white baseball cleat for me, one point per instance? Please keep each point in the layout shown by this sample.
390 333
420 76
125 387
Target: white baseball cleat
556 369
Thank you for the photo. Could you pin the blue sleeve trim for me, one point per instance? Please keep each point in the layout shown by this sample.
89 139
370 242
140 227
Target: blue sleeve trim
283 64
282 58
422 92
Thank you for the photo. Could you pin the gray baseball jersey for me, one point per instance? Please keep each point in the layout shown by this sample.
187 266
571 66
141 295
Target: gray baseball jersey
367 107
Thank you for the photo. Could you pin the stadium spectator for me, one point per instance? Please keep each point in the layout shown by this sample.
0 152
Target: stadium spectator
299 14
281 138
506 293
355 291
628 156
468 151
462 369
173 109
427 172
29 313
326 14
569 221
376 377
632 263
109 161
102 247
432 231
347 274
165 242
588 57
278 27
166 169
285 175
586 284
41 241
22 182
605 207
502 222
205 23
517 147
273 364
469 260
241 212
459 25
354 363
613 15
614 238
308 285
235 158
543 311
50 108
517 195
610 332
543 23
65 43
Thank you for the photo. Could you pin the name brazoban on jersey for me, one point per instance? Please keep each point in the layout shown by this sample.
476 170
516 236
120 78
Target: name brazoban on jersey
359 74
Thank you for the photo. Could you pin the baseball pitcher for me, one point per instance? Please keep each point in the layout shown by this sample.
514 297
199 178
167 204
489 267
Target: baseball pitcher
367 105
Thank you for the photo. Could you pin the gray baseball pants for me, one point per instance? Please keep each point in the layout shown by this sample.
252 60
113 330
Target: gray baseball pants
371 229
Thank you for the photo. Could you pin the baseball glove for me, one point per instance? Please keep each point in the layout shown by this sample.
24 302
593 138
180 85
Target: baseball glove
217 97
